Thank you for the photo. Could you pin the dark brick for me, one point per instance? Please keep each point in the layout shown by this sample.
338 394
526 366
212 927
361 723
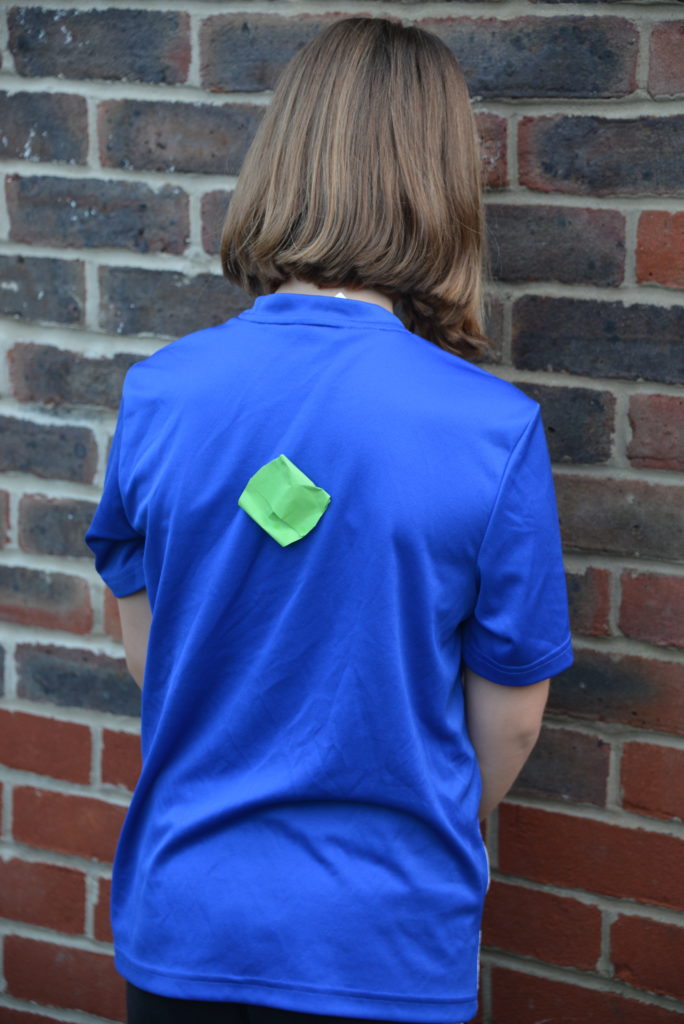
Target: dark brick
556 243
589 601
566 765
49 599
4 518
494 330
52 376
579 422
666 66
247 54
599 156
214 208
54 526
43 126
493 133
657 423
166 304
76 678
561 56
85 213
42 289
599 339
623 689
160 136
123 45
624 517
53 452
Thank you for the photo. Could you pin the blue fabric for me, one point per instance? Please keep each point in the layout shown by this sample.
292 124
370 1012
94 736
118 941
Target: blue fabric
304 831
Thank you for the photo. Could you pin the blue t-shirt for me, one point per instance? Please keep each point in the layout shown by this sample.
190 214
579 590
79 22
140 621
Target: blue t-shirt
304 831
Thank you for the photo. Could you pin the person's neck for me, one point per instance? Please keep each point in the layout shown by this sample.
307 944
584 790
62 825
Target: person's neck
294 284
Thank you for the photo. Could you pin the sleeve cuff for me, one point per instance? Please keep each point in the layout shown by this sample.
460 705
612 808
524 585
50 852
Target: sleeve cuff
522 675
127 582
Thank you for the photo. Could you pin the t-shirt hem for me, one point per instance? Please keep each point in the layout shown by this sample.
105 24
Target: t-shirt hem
307 999
521 675
122 584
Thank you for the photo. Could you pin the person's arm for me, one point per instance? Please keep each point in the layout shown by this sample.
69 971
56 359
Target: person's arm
504 724
136 617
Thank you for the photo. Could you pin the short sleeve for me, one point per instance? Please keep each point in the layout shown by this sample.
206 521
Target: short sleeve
117 546
519 632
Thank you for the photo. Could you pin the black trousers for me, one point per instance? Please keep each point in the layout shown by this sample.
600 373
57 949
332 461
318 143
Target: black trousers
147 1008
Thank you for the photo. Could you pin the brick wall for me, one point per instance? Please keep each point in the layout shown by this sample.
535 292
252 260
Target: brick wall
122 131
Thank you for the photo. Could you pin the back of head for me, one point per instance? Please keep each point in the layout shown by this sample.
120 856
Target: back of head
366 172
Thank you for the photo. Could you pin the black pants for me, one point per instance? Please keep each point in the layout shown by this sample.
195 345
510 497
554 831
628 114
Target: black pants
147 1008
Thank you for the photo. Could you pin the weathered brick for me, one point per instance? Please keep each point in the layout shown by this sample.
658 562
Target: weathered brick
519 998
33 743
43 126
551 928
526 57
643 693
579 422
54 376
159 136
121 758
41 289
42 894
666 64
493 133
589 601
652 608
599 339
564 850
123 45
556 243
566 765
49 599
657 423
647 772
102 925
599 156
76 678
4 518
82 212
79 825
214 208
54 452
247 54
648 954
660 249
625 517
54 526
166 303
55 975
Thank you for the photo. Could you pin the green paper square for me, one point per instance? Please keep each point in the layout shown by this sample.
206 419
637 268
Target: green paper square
283 500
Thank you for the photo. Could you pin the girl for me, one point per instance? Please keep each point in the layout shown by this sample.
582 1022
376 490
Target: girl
335 547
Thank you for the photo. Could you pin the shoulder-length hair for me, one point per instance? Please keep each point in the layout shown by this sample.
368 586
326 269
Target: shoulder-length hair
366 172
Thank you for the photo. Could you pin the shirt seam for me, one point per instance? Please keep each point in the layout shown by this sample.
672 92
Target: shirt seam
325 323
518 669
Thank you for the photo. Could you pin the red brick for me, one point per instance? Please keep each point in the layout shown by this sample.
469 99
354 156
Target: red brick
4 518
566 765
649 954
54 526
624 517
79 825
657 423
123 45
53 600
551 928
591 855
43 894
42 289
43 126
493 132
55 452
589 601
601 156
647 772
652 608
524 999
660 248
102 923
53 376
71 677
666 70
35 744
643 693
74 979
112 620
214 208
121 758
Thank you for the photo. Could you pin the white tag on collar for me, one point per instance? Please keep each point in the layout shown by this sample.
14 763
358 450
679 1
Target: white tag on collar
340 295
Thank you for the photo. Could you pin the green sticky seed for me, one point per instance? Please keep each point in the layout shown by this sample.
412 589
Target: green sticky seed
283 500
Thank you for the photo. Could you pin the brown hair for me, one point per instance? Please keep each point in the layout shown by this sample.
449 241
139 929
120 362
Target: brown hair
366 172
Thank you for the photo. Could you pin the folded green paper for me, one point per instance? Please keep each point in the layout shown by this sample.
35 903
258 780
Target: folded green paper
283 500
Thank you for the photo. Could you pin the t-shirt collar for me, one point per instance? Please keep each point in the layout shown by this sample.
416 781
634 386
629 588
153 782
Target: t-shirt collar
297 308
